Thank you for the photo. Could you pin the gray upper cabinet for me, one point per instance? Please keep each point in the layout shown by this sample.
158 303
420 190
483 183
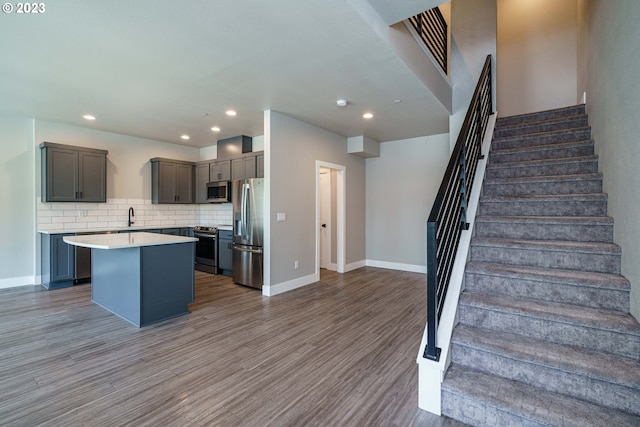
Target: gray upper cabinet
244 167
73 174
172 181
260 165
220 170
202 178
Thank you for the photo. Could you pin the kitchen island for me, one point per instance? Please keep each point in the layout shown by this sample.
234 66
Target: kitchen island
141 277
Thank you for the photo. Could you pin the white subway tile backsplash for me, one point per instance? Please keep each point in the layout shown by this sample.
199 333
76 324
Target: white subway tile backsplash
114 214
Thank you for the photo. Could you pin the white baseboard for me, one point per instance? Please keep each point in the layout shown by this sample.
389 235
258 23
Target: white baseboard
355 265
283 287
397 266
13 282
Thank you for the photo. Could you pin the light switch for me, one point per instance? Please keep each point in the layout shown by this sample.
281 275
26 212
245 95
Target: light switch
281 216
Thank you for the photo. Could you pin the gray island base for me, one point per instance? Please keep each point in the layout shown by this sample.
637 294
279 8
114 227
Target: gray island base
142 277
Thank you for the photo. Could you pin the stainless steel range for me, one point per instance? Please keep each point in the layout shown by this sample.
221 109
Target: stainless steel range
206 248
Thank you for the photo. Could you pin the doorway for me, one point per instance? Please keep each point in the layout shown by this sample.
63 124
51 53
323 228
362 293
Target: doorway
330 217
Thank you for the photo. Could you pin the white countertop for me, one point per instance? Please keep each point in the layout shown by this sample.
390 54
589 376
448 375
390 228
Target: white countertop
113 229
125 240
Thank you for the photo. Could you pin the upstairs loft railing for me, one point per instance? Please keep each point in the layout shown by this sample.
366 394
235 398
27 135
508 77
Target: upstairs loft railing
432 29
449 212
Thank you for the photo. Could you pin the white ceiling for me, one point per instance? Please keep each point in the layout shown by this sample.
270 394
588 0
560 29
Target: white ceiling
160 69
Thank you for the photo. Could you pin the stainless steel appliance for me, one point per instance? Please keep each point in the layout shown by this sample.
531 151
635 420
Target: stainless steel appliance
248 221
219 192
206 248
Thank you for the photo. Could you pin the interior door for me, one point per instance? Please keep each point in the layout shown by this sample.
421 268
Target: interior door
325 218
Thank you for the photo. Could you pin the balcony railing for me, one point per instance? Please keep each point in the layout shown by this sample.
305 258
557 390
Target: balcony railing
448 215
432 29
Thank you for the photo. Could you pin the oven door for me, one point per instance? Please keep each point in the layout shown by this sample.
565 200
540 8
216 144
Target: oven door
206 249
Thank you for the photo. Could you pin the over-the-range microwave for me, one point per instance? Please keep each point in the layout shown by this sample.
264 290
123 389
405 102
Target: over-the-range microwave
219 192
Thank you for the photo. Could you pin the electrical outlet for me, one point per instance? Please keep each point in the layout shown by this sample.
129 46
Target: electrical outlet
296 264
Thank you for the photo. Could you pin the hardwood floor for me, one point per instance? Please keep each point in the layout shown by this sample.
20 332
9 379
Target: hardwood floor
338 352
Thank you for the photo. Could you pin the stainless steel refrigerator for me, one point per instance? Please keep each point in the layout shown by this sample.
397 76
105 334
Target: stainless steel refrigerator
248 219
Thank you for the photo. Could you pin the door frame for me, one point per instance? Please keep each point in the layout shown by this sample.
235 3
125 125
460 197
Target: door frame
340 225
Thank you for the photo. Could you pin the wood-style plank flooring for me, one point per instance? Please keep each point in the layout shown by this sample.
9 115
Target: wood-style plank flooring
340 352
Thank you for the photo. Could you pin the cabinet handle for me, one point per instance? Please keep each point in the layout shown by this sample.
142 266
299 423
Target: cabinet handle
77 195
81 194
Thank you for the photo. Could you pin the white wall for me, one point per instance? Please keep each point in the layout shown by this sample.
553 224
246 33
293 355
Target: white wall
292 148
613 104
473 37
17 226
538 55
401 186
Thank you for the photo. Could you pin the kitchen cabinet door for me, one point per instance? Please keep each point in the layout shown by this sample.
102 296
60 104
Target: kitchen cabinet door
184 183
220 170
225 252
58 261
60 167
166 182
202 178
260 166
92 174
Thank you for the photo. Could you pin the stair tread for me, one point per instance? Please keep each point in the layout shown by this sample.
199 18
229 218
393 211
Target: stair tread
559 119
552 146
525 163
545 197
560 111
558 245
584 220
575 277
544 178
596 365
594 318
535 135
531 403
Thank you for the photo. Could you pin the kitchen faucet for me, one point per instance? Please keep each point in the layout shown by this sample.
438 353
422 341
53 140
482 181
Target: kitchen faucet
129 223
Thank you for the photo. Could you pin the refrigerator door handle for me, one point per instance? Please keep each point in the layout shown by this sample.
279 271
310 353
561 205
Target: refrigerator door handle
247 249
244 213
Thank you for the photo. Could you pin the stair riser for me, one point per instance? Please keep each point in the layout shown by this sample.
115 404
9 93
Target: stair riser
540 116
541 139
543 170
545 208
546 153
545 231
554 380
577 122
540 257
552 331
582 186
610 299
478 414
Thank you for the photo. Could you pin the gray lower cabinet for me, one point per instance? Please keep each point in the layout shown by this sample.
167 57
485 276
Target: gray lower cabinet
73 174
58 261
225 251
172 181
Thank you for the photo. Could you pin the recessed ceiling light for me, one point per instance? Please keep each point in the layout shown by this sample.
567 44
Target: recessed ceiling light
89 117
215 129
342 102
185 137
367 115
231 113
397 101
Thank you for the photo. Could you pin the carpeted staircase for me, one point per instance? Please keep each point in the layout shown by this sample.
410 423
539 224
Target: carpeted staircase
544 337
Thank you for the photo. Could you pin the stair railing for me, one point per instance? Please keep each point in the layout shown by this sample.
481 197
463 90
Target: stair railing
432 30
448 215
